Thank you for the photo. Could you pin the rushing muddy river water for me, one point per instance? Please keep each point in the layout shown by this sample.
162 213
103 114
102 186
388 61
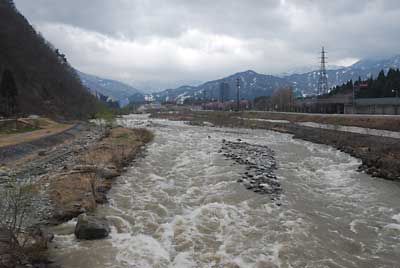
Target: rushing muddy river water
181 206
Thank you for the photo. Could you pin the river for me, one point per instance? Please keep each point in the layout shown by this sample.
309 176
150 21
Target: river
181 206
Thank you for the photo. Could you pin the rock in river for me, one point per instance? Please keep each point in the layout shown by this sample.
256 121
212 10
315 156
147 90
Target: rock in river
91 228
260 164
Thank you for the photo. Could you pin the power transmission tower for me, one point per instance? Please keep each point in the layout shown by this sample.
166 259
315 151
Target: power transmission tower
323 77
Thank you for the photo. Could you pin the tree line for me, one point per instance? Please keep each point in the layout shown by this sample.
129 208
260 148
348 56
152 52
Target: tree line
281 100
8 95
383 86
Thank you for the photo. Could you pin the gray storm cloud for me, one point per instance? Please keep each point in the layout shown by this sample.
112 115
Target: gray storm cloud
169 42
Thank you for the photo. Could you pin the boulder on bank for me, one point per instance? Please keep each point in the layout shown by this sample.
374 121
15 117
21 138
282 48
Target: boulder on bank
91 228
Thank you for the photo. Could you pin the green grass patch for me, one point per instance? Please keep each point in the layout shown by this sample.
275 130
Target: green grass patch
18 131
123 136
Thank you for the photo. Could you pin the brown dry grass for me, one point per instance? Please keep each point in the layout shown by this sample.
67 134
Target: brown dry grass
118 146
73 193
383 122
377 122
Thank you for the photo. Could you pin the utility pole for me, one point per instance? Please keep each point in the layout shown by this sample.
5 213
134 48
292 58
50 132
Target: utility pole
204 99
238 95
354 97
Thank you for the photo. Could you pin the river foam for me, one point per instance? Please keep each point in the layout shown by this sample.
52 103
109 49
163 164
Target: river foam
181 206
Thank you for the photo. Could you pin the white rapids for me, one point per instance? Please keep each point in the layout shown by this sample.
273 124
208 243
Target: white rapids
180 206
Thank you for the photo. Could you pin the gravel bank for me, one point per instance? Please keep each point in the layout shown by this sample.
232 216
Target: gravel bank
14 152
260 165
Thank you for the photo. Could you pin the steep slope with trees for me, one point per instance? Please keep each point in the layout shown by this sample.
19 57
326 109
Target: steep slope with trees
116 90
383 86
8 95
46 84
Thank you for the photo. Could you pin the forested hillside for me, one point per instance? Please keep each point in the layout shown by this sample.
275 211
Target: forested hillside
383 86
45 82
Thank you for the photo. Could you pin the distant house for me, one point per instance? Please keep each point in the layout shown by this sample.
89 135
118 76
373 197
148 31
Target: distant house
150 106
330 105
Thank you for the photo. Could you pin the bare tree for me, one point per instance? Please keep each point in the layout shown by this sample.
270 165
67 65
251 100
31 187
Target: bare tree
17 213
283 100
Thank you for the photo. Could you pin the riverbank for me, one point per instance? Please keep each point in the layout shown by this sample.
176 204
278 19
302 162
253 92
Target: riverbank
382 122
80 188
380 155
73 178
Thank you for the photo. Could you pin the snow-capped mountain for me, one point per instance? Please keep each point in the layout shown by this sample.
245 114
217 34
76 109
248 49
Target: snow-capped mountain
116 90
254 84
306 69
153 86
307 84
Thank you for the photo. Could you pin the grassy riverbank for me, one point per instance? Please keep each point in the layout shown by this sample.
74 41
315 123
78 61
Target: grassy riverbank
383 122
80 188
71 185
380 155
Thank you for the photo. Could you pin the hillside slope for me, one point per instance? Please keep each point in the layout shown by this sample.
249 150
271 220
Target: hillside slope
46 83
116 90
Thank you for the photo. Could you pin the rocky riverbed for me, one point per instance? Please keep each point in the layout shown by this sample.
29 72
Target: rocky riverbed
34 163
260 165
40 160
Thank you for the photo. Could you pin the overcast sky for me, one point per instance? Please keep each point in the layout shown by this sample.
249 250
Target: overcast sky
169 42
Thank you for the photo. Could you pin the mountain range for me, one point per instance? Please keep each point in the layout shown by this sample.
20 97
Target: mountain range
254 84
115 90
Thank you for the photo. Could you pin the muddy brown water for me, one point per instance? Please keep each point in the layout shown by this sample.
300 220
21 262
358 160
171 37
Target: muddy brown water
181 206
